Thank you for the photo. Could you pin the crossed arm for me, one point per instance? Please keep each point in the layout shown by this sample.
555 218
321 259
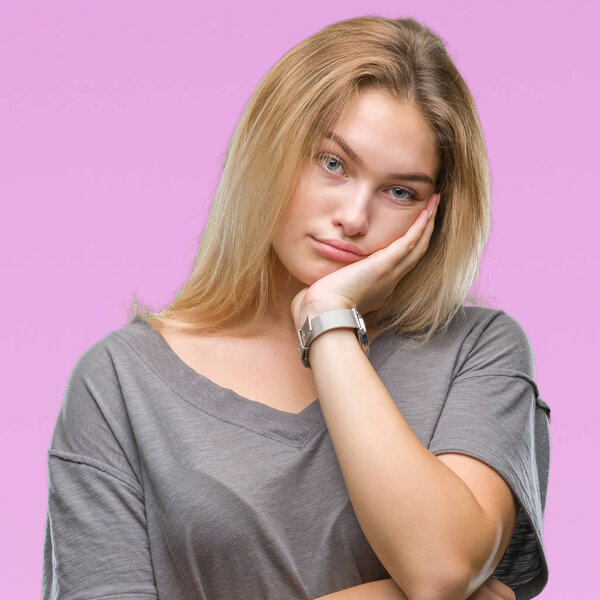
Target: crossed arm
453 514
386 589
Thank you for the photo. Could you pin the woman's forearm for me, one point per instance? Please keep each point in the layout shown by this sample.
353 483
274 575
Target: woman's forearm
383 589
420 518
386 589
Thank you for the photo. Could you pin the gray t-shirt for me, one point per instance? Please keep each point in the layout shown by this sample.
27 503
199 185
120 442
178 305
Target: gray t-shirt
162 483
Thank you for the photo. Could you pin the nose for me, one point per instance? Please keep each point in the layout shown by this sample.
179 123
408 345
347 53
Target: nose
351 211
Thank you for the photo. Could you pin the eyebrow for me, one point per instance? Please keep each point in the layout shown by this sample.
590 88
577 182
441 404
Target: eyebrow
346 148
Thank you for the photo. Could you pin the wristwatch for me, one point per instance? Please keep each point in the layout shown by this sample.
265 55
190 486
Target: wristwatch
333 319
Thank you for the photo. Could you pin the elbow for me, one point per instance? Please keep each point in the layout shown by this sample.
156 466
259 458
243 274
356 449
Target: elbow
450 585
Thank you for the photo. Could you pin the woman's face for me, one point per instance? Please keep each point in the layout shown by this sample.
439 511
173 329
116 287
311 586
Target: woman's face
365 186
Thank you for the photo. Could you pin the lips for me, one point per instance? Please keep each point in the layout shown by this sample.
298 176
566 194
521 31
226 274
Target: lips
347 246
328 250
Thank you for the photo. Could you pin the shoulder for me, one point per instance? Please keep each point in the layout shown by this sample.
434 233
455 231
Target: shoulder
99 362
478 338
93 424
476 320
491 338
93 390
489 333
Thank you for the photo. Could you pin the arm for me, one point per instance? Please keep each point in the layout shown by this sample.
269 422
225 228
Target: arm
96 541
383 589
386 589
437 536
421 519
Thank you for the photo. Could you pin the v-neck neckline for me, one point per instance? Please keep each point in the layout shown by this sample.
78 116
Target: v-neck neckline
226 404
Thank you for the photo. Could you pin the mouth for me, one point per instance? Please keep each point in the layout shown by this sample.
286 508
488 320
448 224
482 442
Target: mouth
335 253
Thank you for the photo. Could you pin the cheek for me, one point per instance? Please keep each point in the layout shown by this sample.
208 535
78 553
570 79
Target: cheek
287 239
298 219
286 223
289 229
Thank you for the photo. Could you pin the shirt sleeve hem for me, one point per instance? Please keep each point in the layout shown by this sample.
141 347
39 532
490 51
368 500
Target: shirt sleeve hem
482 452
96 464
124 596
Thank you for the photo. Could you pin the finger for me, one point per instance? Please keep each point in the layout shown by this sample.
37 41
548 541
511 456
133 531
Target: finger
492 589
401 247
501 590
395 255
417 247
419 227
407 260
418 232
423 242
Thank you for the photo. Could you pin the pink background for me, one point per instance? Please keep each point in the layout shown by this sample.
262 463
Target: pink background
114 120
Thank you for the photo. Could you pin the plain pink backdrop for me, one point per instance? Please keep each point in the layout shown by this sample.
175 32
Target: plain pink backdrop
114 121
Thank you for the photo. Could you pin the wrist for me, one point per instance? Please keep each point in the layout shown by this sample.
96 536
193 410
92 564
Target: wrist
312 308
329 340
317 325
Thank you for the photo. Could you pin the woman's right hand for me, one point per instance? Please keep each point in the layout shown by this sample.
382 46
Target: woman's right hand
492 589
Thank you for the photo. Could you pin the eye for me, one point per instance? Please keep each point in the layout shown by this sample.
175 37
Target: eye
331 162
411 194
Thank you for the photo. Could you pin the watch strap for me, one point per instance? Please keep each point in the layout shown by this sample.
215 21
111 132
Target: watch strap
333 319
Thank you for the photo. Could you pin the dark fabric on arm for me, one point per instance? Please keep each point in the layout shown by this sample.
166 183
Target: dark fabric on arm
96 543
494 413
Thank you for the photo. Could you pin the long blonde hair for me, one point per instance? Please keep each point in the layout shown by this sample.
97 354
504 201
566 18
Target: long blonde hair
298 101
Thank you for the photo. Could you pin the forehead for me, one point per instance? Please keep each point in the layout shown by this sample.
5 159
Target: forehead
379 111
379 128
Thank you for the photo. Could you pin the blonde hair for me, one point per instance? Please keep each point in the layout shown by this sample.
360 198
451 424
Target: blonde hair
299 100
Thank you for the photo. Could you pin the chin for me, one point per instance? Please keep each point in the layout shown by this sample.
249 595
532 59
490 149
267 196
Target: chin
309 272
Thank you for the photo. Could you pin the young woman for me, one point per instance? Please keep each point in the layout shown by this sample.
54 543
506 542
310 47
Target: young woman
317 413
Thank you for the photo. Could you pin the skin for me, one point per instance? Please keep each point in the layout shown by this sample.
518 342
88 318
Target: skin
386 589
361 204
338 198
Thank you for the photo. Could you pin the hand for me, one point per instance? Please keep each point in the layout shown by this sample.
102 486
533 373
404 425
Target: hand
367 283
492 589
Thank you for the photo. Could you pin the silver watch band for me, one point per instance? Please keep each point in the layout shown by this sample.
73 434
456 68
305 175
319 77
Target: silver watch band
332 319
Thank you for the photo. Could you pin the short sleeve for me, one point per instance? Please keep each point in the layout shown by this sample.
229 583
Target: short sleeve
493 412
96 542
